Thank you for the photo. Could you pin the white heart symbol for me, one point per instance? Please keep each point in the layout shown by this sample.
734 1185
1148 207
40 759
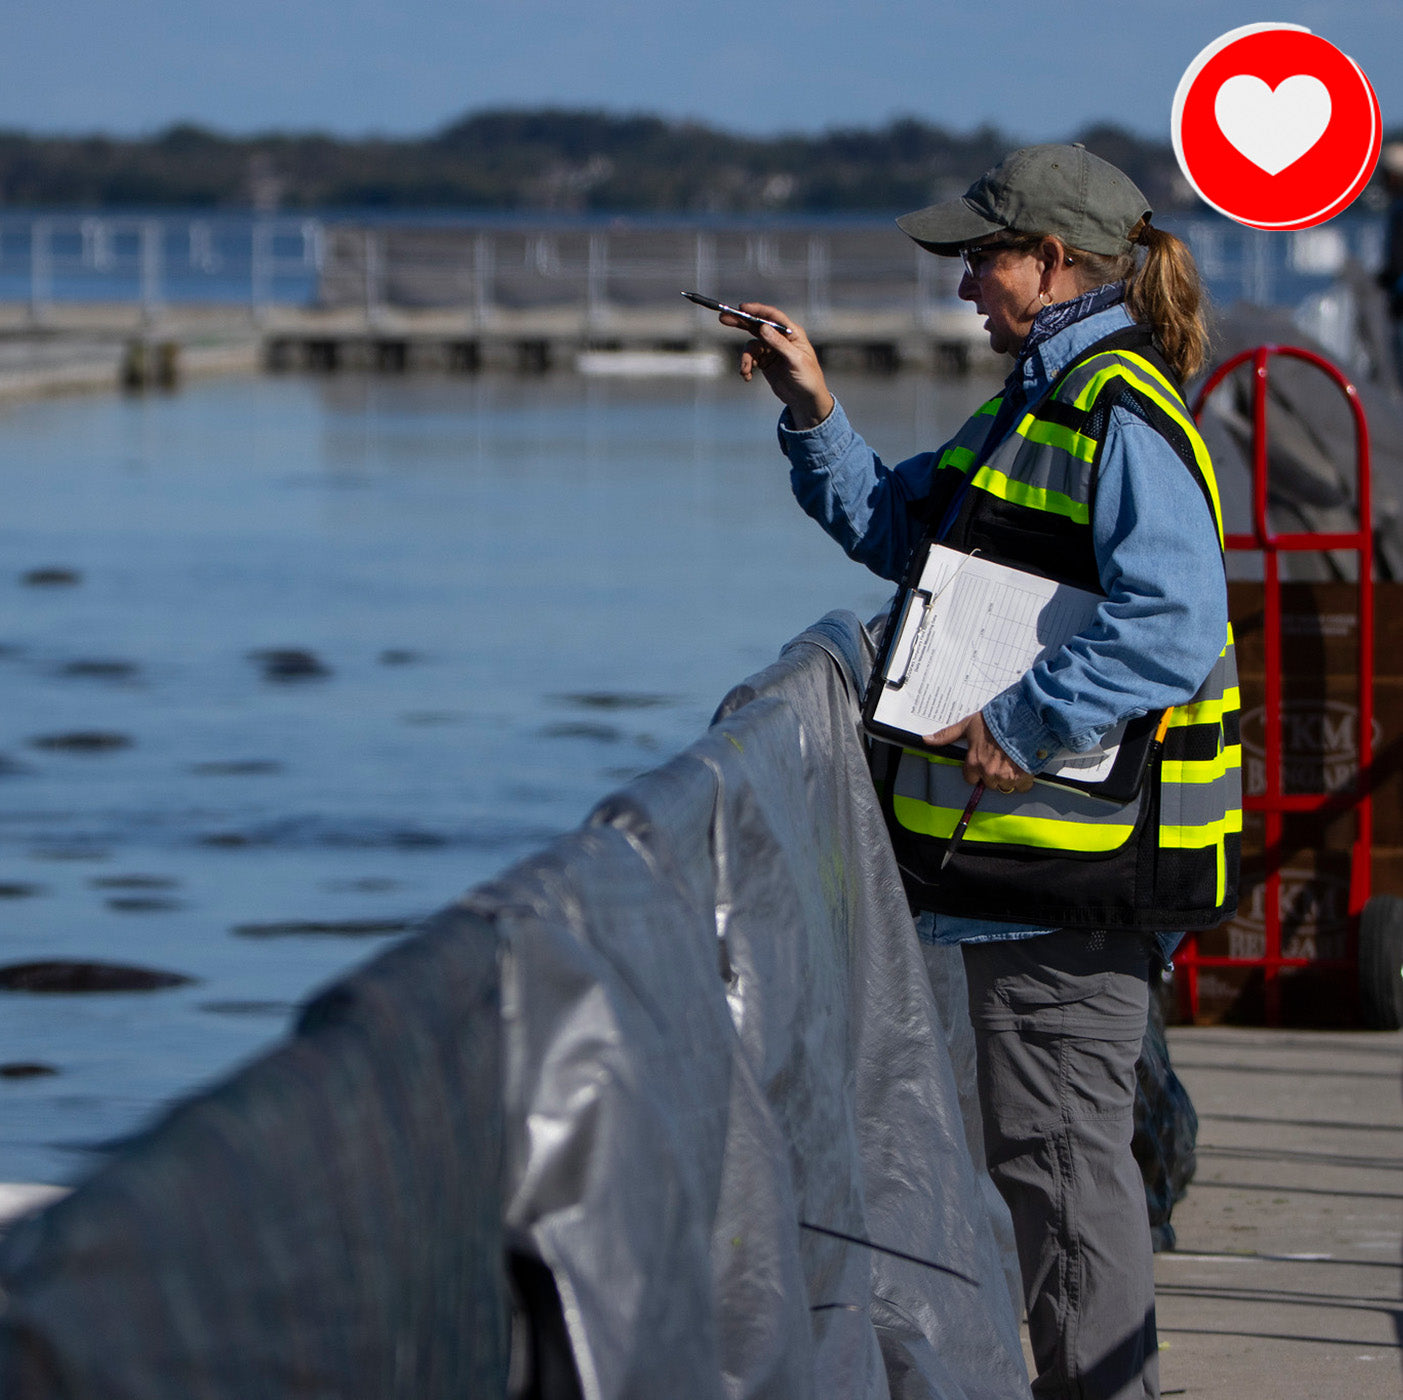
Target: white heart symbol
1273 129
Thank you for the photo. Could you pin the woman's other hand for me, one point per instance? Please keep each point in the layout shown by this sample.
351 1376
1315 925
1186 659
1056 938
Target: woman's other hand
788 363
985 762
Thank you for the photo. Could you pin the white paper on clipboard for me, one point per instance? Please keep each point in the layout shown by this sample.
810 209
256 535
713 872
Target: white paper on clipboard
970 629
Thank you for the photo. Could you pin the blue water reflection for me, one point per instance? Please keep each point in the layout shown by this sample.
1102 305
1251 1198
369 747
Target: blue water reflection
502 597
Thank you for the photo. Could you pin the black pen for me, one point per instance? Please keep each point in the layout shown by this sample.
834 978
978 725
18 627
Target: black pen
963 822
712 304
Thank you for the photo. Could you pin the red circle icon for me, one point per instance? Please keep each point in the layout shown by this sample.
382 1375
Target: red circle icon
1275 127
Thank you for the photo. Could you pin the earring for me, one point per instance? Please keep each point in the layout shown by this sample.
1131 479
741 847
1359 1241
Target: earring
1044 298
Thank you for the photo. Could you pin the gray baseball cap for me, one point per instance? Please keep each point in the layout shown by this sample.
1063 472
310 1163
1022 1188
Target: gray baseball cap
1063 190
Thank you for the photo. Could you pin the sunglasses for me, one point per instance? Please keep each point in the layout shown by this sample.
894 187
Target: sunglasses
976 259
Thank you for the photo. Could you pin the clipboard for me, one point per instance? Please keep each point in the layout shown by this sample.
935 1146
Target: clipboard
963 629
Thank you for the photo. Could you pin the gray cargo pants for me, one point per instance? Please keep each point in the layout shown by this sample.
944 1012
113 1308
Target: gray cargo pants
1058 1022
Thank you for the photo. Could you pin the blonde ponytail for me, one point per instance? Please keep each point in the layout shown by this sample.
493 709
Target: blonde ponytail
1166 293
1162 290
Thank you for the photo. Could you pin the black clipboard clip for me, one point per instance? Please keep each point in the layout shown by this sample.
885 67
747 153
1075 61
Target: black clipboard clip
929 600
927 597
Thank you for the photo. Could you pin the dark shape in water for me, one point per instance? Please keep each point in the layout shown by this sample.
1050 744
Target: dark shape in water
612 700
83 741
10 768
23 1069
408 840
293 833
290 664
143 904
237 768
133 882
398 656
15 889
102 670
365 884
336 928
61 975
582 729
249 1008
427 717
51 578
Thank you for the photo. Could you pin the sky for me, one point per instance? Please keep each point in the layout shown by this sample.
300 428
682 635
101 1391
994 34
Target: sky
1038 71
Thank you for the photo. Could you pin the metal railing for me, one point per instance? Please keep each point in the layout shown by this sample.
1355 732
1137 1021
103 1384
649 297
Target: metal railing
152 261
484 267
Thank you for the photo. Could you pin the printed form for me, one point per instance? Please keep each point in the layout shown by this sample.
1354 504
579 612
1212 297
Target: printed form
969 630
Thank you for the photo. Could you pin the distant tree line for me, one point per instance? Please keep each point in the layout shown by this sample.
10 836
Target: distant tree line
541 160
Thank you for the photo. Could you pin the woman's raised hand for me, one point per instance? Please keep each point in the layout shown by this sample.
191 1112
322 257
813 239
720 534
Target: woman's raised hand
788 363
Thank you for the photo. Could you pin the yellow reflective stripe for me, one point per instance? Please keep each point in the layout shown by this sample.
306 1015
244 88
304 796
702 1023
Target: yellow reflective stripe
1189 838
1062 836
1019 493
1086 395
1009 829
1159 389
1156 387
921 817
1207 711
1198 838
1206 770
1076 444
1164 394
961 456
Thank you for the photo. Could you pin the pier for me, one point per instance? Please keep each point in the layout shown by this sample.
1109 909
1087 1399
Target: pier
463 299
89 301
544 339
87 347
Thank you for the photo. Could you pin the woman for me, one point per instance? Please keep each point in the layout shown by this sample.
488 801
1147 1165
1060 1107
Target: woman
1088 469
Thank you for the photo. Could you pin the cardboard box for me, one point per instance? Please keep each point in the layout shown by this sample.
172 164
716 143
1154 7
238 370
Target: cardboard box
1315 891
1320 743
1319 628
1320 736
1315 894
1307 997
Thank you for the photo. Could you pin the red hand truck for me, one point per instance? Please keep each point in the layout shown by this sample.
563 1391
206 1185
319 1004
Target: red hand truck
1374 927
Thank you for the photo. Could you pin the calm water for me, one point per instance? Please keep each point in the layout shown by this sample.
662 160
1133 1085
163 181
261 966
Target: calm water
520 593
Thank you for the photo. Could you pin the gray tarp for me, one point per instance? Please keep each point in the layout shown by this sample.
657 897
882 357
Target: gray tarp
721 1033
720 1042
327 1223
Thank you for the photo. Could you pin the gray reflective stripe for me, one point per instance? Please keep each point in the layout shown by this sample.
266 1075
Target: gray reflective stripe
1206 710
940 783
1199 804
1043 467
959 453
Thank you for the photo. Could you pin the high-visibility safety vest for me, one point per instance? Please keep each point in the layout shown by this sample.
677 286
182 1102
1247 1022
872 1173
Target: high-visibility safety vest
1053 857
